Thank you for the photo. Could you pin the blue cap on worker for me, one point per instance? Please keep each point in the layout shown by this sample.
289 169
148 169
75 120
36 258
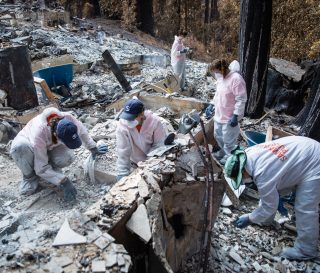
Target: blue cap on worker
132 109
67 132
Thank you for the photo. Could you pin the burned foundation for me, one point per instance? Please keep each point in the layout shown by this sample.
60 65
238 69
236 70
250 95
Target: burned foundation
157 212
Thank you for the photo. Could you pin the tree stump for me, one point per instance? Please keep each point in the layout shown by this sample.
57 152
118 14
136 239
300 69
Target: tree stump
16 77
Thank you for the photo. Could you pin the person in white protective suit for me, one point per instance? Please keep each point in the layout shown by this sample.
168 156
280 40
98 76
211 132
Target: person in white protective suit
229 106
178 58
278 167
138 132
45 145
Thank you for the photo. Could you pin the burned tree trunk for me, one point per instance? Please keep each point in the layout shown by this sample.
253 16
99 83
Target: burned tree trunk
16 77
311 124
307 81
206 12
214 14
255 36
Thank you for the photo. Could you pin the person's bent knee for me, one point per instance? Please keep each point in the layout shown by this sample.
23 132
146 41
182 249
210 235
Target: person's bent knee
64 160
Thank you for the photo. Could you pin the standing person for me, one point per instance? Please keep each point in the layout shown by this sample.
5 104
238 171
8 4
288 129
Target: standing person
278 167
178 58
45 145
229 102
138 132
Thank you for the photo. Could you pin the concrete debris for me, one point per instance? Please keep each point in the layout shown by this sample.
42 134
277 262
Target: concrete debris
66 236
139 223
288 69
98 266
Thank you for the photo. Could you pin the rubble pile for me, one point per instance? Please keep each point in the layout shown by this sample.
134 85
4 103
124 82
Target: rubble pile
80 245
166 193
253 249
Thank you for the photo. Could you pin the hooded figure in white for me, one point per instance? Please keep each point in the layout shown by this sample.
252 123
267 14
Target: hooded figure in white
178 58
229 106
44 146
276 167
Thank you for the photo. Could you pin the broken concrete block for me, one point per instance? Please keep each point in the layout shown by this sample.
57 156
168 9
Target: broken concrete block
93 235
120 260
236 257
62 261
257 266
109 237
66 236
143 188
139 223
110 259
98 266
102 242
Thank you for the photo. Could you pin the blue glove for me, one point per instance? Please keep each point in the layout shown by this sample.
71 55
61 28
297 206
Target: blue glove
119 177
233 122
209 112
242 221
99 150
69 191
185 50
282 210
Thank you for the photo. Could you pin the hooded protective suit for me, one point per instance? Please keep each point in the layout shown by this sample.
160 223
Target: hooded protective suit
230 99
280 166
38 157
178 60
134 145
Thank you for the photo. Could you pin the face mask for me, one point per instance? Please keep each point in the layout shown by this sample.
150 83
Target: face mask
218 76
246 180
131 123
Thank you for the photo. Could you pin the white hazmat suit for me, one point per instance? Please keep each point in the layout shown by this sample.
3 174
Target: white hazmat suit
230 99
133 145
289 163
38 157
178 60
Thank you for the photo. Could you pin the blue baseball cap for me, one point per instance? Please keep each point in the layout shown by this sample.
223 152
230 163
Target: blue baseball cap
67 132
132 109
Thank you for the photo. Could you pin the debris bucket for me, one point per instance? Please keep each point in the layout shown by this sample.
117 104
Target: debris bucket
56 75
252 138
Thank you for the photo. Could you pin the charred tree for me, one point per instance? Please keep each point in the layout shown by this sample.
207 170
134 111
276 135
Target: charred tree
206 11
255 36
16 77
307 82
311 124
214 14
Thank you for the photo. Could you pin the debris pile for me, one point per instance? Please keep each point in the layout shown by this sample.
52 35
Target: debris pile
78 245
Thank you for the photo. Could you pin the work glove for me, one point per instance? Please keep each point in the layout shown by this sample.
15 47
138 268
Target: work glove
242 221
119 177
233 122
99 150
69 191
209 112
185 50
282 210
169 139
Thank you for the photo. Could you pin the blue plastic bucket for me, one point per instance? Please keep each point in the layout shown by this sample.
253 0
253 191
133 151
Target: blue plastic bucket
254 138
56 75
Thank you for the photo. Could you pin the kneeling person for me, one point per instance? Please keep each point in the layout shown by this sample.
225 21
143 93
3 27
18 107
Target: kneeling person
138 132
45 145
